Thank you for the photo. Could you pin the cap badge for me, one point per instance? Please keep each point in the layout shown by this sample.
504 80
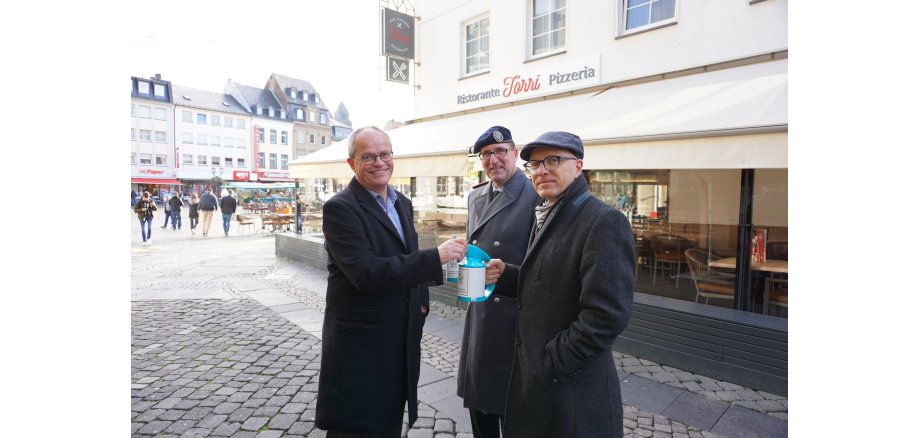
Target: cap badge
497 136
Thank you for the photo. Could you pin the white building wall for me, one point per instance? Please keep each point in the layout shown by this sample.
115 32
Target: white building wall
706 32
234 151
277 148
153 147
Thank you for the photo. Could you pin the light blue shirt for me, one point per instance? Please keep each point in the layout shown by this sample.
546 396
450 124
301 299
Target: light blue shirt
389 207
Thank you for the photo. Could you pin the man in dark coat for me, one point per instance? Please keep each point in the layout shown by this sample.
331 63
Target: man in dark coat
227 208
207 206
376 298
175 210
500 217
575 294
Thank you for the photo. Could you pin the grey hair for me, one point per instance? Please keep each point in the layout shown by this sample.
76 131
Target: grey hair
357 132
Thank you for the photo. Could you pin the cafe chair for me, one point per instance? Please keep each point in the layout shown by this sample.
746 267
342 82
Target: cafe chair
709 283
668 254
777 283
778 296
242 221
642 247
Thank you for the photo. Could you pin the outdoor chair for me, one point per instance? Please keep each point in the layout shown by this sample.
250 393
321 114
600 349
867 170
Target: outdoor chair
668 254
243 221
709 282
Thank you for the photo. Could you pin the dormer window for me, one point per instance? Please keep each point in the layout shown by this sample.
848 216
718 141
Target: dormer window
323 119
271 111
312 97
299 114
159 90
293 93
283 114
258 110
143 87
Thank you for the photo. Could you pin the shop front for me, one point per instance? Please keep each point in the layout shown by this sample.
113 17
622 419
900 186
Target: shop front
155 186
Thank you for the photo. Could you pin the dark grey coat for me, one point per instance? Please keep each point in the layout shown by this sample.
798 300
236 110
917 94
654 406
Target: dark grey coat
575 290
501 229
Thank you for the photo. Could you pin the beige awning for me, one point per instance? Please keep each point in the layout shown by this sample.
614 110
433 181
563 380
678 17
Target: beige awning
731 118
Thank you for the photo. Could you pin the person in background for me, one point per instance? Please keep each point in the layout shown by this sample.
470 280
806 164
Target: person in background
287 208
207 205
500 217
575 294
166 209
144 209
376 298
193 211
175 210
227 208
133 198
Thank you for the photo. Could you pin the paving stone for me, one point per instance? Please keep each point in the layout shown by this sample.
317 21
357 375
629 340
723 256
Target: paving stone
196 433
254 423
211 421
240 415
269 434
226 408
445 426
294 408
154 427
300 428
266 411
420 433
172 414
771 405
227 429
282 421
179 427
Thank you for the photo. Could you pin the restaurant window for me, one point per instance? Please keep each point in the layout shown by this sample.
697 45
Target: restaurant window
770 223
547 26
261 160
284 161
640 15
272 161
161 159
146 159
202 160
402 184
476 49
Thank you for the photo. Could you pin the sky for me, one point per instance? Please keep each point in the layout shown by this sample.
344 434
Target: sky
333 45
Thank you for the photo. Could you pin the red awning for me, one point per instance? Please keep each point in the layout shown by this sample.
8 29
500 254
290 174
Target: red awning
155 181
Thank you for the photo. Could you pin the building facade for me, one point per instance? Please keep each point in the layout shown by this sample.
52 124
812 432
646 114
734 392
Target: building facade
271 132
312 121
153 157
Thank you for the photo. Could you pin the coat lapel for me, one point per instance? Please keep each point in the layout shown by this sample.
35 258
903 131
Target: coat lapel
509 194
369 204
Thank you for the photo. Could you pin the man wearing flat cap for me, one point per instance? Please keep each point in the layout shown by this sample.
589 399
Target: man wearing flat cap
500 216
575 295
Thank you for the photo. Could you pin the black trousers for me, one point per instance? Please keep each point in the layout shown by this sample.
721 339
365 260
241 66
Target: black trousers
486 425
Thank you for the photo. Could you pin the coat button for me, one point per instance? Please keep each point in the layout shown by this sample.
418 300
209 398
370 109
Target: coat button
520 306
498 300
497 244
517 341
474 242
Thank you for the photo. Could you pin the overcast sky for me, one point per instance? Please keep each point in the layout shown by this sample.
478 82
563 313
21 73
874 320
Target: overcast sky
333 45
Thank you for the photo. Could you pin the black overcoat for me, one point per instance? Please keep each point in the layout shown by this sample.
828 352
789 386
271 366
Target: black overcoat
575 292
501 229
372 328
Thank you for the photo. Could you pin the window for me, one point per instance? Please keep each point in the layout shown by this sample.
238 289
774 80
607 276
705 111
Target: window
284 159
547 26
159 90
273 136
323 139
215 140
240 162
299 136
143 87
187 116
146 159
312 139
261 135
477 46
240 123
215 161
228 142
228 122
133 157
228 162
187 138
145 135
240 143
202 160
159 113
143 111
323 119
186 158
215 120
161 159
132 133
202 119
272 161
202 139
647 14
299 114
160 137
283 137
312 116
132 110
262 160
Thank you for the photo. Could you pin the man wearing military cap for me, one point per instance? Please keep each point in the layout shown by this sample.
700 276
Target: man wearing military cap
575 295
500 217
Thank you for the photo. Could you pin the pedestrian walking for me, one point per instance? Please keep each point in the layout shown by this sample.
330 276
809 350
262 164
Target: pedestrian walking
499 221
575 290
193 212
227 208
144 209
207 205
175 210
376 298
133 198
166 209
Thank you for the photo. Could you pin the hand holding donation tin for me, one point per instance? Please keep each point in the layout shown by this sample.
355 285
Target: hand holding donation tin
453 249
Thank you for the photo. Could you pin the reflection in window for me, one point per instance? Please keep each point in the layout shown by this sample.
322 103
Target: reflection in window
641 13
548 26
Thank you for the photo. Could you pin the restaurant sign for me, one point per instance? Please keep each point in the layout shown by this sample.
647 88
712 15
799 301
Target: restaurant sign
150 171
398 34
524 84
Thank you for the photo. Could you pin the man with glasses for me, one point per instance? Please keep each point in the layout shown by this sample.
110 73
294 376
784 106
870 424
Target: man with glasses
376 298
500 216
575 294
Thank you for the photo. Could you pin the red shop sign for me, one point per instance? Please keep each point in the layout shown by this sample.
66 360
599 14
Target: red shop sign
240 175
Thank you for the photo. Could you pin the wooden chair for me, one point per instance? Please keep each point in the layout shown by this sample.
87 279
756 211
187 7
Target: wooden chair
709 283
242 221
668 253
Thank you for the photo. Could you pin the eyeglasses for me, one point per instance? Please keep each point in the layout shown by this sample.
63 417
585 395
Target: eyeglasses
550 163
386 157
498 152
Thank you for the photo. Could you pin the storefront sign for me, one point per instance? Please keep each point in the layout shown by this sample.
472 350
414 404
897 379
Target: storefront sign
398 34
240 175
150 171
542 80
397 70
274 174
255 146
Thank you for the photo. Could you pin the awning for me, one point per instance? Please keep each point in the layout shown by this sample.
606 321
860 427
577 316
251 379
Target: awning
266 179
255 185
155 181
730 118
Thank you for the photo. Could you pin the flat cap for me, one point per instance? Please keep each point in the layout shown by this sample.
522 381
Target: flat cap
495 134
555 139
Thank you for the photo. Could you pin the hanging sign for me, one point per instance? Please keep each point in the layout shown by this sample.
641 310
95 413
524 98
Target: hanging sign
398 34
397 70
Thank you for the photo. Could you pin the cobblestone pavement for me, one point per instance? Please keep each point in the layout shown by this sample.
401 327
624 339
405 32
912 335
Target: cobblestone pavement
232 367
